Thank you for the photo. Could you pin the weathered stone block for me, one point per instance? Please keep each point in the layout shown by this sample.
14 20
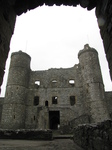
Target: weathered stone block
98 136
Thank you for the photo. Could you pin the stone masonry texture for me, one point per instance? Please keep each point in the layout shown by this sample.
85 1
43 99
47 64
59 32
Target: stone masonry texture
95 136
9 9
62 97
20 115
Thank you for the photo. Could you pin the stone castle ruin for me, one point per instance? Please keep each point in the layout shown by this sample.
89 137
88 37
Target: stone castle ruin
30 95
54 98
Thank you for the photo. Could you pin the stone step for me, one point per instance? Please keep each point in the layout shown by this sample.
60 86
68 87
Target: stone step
62 136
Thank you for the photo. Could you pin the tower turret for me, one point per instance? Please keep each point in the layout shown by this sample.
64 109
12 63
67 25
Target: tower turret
13 115
93 84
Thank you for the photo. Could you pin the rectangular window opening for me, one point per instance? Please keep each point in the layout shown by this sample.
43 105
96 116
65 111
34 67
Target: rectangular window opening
37 82
54 100
72 100
36 100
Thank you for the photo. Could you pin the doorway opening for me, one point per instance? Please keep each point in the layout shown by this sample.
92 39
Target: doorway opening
54 119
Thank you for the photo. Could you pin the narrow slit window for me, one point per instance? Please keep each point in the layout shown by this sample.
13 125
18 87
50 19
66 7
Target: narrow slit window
72 100
46 103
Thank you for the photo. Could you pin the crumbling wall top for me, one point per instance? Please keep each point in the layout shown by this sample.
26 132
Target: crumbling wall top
22 6
87 48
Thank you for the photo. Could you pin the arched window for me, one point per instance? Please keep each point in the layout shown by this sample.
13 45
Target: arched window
54 81
72 82
54 100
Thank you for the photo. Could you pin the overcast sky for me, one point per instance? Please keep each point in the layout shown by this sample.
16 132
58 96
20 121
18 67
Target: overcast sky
53 36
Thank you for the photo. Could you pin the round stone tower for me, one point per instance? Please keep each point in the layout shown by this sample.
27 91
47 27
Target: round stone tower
93 84
13 115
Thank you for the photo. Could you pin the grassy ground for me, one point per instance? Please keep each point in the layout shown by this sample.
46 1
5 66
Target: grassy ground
57 144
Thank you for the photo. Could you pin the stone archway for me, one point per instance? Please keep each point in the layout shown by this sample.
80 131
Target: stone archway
10 9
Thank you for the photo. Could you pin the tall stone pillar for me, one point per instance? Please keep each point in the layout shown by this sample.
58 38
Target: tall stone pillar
93 84
7 23
13 114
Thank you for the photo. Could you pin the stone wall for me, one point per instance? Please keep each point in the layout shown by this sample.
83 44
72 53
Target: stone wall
68 129
104 15
83 119
26 134
94 136
1 104
108 96
7 22
73 92
21 6
93 84
54 83
13 114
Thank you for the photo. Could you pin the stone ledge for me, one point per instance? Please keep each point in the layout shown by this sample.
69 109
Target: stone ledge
26 134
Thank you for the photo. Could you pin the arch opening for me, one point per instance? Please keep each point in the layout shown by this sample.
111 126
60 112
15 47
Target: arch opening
26 45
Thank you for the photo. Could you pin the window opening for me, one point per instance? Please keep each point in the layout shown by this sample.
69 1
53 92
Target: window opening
54 81
54 100
72 100
36 100
34 118
37 82
46 103
72 82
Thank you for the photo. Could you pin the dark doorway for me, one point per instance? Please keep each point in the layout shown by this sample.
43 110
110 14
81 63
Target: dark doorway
54 119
